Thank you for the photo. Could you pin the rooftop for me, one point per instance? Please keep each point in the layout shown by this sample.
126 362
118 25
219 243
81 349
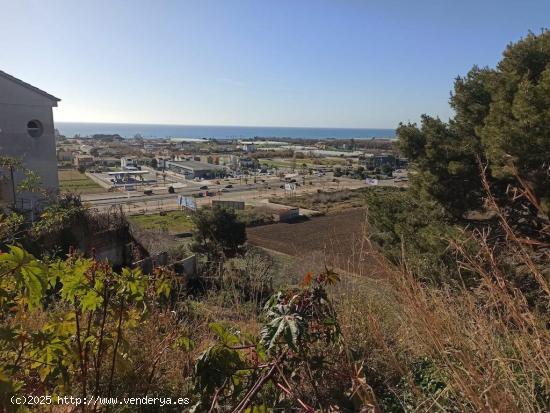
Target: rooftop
196 165
28 86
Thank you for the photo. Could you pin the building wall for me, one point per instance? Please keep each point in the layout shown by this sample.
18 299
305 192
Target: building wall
83 160
18 106
190 172
187 172
289 214
63 155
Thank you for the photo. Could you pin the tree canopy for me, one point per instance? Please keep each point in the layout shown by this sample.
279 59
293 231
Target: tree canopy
502 118
218 232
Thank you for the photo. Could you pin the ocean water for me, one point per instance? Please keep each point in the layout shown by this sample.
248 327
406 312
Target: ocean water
128 130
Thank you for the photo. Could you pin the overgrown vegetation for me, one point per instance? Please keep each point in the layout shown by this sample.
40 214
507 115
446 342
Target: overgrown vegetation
456 320
471 244
172 222
324 201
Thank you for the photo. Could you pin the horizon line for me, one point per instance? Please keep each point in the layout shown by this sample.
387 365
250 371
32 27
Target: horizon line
221 126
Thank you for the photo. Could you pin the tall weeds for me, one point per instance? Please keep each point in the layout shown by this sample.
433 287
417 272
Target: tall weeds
453 348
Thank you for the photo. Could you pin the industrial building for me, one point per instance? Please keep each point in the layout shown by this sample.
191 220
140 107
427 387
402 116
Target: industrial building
383 159
195 169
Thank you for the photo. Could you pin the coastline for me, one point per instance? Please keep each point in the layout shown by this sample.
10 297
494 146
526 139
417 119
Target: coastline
129 130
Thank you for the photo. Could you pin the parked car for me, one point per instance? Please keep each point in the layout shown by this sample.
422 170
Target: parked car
210 193
204 187
148 192
229 186
224 190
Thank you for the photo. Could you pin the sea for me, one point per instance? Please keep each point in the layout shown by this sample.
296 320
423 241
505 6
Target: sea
129 130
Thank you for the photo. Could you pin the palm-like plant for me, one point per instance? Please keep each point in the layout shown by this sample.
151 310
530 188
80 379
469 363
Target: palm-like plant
11 164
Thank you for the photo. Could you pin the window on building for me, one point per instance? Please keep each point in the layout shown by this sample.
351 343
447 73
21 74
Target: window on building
34 128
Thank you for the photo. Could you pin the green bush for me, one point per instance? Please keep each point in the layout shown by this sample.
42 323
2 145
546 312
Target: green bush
403 225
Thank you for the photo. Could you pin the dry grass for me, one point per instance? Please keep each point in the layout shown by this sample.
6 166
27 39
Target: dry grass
158 364
173 222
331 202
489 349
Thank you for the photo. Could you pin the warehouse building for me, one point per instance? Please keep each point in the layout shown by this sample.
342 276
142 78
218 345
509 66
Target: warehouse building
195 169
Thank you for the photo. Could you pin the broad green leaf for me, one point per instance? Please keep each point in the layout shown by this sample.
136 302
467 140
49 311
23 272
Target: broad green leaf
91 301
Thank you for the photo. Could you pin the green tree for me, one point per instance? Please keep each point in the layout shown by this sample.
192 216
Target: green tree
445 170
218 233
502 118
514 133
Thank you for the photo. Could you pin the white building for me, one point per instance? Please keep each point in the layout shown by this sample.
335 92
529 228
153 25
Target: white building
248 147
27 133
161 162
128 163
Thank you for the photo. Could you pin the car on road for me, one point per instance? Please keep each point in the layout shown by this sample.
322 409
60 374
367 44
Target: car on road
229 186
224 190
210 193
204 187
148 192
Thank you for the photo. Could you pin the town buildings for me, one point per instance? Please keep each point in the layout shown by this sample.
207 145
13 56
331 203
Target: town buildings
83 161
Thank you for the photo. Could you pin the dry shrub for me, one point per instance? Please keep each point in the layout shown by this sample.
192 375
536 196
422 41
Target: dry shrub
427 348
164 349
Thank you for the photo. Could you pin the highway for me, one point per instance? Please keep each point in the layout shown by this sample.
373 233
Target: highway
135 202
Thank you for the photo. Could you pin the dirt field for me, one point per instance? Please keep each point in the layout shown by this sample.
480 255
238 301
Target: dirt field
337 239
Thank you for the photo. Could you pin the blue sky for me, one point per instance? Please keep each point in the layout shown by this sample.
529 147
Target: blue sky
339 63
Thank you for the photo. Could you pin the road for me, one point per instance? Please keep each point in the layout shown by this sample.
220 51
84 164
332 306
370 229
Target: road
135 202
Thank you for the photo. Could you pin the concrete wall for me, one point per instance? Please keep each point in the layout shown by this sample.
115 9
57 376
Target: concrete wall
18 106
